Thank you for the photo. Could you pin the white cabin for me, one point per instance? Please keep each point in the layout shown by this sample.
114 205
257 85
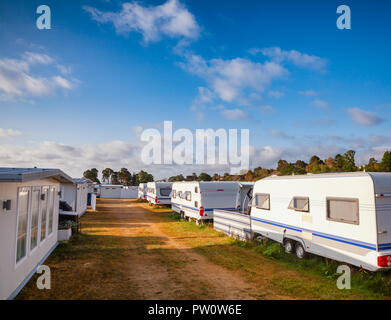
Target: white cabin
142 191
159 193
29 204
197 200
342 216
76 195
117 191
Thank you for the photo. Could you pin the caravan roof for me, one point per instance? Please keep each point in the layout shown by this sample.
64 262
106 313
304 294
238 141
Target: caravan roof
30 174
381 180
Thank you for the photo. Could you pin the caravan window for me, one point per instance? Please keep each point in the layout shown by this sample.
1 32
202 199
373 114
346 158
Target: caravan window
23 209
343 210
300 204
165 192
196 190
196 204
188 196
173 194
51 209
36 196
262 201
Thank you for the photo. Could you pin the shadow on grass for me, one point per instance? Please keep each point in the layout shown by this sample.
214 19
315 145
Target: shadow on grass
378 283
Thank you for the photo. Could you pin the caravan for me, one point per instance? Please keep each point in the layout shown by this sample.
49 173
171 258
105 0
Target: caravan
196 200
342 216
142 191
159 193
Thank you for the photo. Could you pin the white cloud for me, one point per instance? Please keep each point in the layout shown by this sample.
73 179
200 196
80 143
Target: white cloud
18 81
34 57
320 104
234 114
295 57
364 118
62 82
308 93
7 133
230 79
171 19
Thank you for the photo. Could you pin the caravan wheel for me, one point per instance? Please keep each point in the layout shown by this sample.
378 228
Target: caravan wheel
288 246
300 252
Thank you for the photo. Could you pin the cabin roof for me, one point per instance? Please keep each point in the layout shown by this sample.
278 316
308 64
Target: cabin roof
111 185
30 174
81 180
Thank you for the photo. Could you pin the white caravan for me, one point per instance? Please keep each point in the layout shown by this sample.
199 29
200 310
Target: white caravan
142 191
29 204
197 200
159 192
342 216
75 195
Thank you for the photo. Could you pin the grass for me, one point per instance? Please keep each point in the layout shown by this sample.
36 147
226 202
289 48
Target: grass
243 255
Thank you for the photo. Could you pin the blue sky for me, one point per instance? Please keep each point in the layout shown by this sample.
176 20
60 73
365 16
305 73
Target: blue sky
77 95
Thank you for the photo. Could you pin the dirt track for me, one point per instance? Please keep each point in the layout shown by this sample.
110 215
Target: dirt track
129 251
159 267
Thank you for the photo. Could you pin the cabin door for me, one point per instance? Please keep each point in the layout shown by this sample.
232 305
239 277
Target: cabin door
383 211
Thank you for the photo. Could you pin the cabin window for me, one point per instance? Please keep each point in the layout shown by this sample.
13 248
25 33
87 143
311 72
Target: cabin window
262 201
173 194
196 190
343 210
23 208
300 204
165 192
51 209
196 204
188 195
36 196
44 204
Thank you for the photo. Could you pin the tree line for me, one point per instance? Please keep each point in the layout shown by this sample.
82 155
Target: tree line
339 163
123 176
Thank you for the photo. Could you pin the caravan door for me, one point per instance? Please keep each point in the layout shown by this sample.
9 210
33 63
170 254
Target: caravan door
383 217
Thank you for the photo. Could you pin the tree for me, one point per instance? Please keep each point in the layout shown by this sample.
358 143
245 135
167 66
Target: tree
144 177
92 174
338 163
125 177
372 165
114 178
249 176
348 161
385 164
106 174
204 177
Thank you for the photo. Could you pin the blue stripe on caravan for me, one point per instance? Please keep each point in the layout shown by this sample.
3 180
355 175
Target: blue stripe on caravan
321 235
197 209
158 198
277 224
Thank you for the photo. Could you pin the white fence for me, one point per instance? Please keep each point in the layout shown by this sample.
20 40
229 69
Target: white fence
232 223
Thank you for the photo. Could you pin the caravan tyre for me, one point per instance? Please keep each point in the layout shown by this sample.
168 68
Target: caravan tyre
300 252
288 246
